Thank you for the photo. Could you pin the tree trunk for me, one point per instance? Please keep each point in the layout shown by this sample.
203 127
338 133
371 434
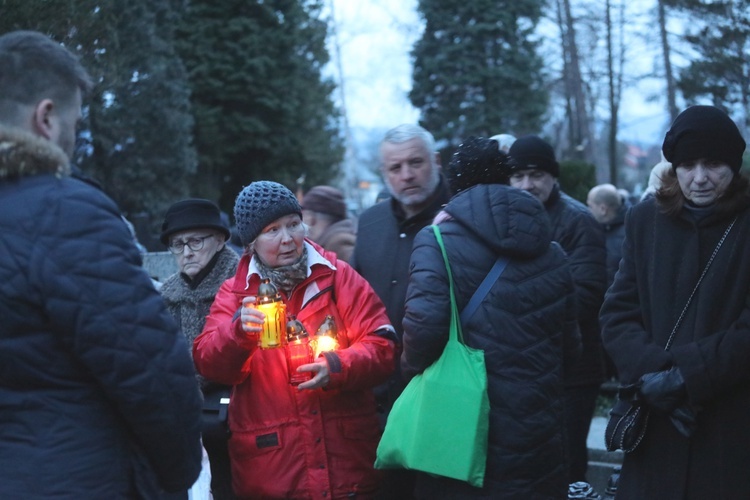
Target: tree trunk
582 146
666 53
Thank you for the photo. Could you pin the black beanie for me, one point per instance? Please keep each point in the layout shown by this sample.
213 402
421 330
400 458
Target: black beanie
704 132
531 151
259 204
476 161
193 213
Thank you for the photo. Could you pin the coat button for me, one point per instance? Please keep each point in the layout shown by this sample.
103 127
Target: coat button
317 440
394 282
402 235
314 412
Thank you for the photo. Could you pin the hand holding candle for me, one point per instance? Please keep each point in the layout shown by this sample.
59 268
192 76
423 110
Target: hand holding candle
321 378
250 317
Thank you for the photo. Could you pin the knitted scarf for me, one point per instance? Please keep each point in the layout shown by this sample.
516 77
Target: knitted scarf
285 277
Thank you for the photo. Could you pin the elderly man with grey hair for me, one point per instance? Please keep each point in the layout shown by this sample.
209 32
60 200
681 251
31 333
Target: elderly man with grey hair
410 166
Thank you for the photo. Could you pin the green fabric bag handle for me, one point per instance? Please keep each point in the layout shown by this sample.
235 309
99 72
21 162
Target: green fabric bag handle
456 334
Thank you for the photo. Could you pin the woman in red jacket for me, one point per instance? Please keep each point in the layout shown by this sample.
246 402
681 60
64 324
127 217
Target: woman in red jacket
316 439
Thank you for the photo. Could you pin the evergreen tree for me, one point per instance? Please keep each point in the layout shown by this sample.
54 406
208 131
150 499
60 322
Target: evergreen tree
721 39
137 137
261 107
476 69
141 120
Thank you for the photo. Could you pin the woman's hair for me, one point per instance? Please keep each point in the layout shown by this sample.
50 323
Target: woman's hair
671 200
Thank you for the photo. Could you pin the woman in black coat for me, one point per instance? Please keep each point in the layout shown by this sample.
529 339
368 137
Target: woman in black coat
525 325
696 444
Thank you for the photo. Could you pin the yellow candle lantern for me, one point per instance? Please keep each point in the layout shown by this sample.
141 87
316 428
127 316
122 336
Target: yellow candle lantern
325 337
269 302
298 351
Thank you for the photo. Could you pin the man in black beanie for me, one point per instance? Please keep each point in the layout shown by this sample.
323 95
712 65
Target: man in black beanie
533 168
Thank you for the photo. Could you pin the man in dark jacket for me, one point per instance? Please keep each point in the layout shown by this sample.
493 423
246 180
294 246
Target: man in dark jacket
535 169
97 390
608 208
693 378
410 166
526 324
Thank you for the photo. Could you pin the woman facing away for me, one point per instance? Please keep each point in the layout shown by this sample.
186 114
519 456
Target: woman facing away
526 323
316 439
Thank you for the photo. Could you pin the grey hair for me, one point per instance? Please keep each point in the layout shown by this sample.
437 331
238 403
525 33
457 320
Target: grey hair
406 132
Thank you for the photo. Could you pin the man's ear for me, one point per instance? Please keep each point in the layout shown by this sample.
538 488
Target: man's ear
43 120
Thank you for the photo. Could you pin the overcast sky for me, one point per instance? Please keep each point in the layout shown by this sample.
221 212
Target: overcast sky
376 36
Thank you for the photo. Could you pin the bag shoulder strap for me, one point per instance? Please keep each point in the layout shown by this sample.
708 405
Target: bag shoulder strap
455 332
695 288
483 289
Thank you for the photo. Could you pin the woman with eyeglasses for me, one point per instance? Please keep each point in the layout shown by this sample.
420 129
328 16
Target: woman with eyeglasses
194 232
317 438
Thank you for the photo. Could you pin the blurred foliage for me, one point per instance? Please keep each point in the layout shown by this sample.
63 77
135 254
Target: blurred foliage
259 109
476 69
577 178
262 109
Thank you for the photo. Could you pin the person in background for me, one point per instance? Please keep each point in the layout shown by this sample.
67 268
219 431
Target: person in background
410 166
316 439
697 390
504 141
97 391
655 178
197 235
533 168
324 214
608 208
526 323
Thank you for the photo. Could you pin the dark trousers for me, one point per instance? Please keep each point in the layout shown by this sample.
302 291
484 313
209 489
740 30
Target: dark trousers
397 484
580 402
215 433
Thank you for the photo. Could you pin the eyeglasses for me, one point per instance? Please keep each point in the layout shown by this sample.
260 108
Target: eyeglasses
195 244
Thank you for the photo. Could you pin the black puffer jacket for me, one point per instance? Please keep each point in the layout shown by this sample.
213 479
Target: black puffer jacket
97 392
525 325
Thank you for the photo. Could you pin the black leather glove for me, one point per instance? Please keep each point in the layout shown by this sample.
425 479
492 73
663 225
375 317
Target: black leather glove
663 391
683 418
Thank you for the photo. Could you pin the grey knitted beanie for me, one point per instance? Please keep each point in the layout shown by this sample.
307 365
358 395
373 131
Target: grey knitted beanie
259 204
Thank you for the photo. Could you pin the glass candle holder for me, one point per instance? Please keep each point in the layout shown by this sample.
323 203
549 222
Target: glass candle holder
326 337
298 351
269 302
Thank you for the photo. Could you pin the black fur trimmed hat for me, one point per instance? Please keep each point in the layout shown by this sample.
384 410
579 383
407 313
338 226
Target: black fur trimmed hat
704 132
259 204
476 161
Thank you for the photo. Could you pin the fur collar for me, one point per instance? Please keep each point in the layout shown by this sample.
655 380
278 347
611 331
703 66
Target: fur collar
23 154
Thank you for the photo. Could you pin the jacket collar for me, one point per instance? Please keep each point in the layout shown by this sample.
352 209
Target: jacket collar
313 257
23 154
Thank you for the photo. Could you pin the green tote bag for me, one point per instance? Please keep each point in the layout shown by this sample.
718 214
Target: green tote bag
439 424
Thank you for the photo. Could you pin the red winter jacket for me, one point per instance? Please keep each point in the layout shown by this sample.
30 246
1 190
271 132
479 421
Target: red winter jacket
290 443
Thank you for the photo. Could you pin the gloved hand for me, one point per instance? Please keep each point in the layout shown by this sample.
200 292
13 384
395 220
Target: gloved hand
684 420
663 391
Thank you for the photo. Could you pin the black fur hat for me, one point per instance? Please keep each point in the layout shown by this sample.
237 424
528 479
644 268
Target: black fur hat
476 161
704 132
